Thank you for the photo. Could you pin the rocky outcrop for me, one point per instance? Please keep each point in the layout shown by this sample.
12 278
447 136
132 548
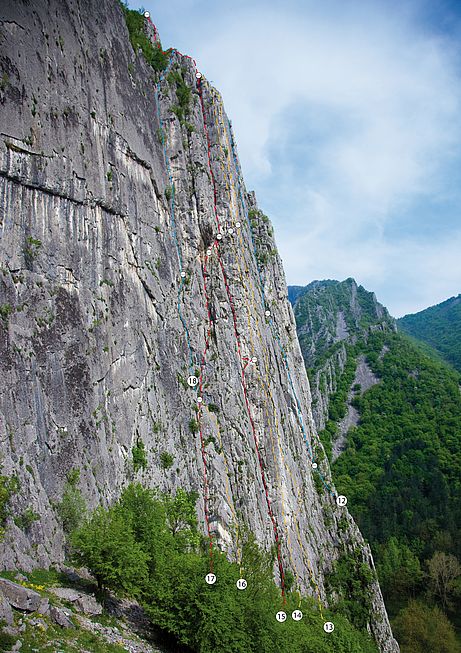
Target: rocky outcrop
22 609
6 613
82 601
324 382
329 316
60 617
364 379
133 258
22 598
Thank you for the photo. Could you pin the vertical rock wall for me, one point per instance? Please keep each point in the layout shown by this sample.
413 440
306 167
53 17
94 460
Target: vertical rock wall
133 258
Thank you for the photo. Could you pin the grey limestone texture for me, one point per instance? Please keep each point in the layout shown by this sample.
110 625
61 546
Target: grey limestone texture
94 353
19 597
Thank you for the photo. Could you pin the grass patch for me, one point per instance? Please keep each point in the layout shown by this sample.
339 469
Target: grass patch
153 54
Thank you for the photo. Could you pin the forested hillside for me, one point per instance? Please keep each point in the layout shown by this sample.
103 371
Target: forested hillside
401 471
438 326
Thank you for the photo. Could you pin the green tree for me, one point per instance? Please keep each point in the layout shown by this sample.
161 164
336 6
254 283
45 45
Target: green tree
72 508
106 545
180 512
9 485
444 570
420 629
399 571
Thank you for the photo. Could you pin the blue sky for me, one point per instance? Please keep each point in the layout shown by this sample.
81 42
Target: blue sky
348 123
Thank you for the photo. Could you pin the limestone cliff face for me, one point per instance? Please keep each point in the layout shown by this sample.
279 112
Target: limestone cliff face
133 258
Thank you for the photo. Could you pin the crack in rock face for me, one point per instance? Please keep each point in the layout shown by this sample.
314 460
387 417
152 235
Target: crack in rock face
115 289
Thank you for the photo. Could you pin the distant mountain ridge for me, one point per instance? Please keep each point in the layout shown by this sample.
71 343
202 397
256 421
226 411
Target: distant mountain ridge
440 327
330 316
388 409
295 291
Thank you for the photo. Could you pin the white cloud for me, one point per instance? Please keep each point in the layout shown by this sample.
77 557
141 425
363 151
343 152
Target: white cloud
406 276
397 86
347 117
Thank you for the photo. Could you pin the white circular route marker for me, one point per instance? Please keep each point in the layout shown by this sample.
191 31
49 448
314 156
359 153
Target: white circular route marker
198 75
254 359
314 465
192 381
210 579
146 14
199 400
267 313
238 225
219 237
208 252
183 275
241 584
281 616
341 500
296 615
231 231
328 626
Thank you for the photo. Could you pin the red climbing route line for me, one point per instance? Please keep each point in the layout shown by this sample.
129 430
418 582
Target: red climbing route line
202 364
231 303
266 489
186 56
243 367
199 415
243 360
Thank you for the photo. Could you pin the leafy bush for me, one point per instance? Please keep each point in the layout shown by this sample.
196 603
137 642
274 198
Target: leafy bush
193 426
31 249
72 507
6 640
26 519
148 545
262 258
320 488
166 460
350 581
156 427
183 93
139 456
153 54
9 485
5 312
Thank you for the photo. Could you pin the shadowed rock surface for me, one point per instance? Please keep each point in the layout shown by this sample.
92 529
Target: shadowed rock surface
99 331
